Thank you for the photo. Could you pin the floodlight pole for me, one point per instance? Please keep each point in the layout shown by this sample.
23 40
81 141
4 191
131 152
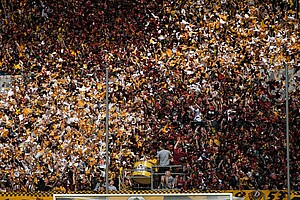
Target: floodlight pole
287 115
287 130
106 135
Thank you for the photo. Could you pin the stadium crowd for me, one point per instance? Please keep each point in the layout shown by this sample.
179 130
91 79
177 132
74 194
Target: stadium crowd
205 74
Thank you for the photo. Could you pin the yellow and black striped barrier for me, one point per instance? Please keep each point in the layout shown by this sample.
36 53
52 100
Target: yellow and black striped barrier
243 194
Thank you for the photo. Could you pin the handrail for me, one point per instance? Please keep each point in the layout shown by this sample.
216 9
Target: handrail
154 173
159 166
160 173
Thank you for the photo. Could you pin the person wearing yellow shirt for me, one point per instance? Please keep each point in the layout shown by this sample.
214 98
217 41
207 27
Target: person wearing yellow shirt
59 187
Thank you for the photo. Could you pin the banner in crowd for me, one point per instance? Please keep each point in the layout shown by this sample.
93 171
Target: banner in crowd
237 194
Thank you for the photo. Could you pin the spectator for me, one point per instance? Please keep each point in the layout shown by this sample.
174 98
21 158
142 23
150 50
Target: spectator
163 156
99 185
167 181
127 184
111 185
179 154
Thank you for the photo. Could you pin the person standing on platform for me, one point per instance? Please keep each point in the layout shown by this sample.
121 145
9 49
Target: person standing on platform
163 157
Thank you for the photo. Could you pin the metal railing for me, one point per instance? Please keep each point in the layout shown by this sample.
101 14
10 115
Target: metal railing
149 178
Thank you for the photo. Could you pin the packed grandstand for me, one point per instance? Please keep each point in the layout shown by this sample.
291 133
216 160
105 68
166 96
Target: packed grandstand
205 74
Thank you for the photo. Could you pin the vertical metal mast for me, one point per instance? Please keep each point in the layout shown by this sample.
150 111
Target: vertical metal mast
287 130
106 135
287 110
